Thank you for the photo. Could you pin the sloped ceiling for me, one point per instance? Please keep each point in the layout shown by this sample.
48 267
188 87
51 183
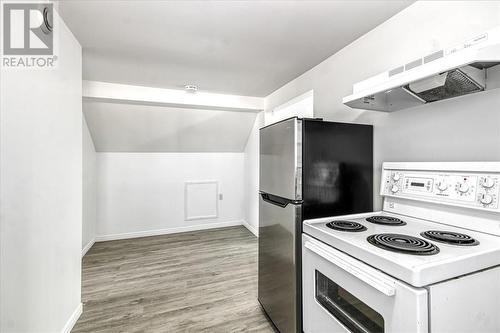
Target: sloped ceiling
140 128
246 48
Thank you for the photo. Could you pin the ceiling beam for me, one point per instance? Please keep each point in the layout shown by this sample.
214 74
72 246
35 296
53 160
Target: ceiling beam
129 94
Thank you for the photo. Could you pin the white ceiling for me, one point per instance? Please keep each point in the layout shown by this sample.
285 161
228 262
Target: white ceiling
234 47
139 128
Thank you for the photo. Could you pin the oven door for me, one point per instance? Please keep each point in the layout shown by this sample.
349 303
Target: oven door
342 294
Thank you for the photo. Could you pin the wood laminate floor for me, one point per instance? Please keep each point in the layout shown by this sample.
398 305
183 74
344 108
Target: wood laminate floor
203 281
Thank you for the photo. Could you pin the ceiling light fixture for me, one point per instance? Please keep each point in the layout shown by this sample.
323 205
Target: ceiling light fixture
191 88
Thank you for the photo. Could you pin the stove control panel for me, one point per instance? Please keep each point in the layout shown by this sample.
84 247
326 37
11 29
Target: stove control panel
474 190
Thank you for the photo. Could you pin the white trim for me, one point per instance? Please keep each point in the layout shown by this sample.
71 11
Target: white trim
73 319
158 232
201 217
87 247
251 228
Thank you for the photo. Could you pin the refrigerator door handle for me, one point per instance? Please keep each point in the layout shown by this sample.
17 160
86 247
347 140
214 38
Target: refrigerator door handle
273 200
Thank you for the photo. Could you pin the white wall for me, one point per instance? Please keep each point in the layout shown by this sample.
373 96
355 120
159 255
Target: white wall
137 128
252 176
140 194
461 129
89 217
301 106
41 193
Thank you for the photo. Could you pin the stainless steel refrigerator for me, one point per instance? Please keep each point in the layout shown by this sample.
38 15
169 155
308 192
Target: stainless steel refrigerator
308 168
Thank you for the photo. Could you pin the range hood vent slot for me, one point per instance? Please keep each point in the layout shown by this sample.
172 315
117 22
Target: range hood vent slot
398 70
413 64
433 56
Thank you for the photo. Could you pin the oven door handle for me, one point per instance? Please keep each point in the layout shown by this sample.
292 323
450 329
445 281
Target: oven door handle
361 271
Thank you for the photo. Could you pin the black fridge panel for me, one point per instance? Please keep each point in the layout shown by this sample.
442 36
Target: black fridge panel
337 169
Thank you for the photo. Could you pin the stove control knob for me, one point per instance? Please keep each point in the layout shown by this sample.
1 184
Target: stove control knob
488 182
396 177
442 185
486 199
394 188
463 188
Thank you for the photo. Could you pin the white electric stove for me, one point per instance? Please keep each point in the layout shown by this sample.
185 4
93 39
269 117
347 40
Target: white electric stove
428 262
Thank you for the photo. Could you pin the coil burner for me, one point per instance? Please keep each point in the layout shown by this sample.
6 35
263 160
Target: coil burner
403 244
349 226
449 237
385 220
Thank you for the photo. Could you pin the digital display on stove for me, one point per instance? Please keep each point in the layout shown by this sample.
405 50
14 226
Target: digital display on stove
417 184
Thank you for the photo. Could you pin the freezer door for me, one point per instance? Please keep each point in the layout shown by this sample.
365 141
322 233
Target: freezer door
279 262
281 159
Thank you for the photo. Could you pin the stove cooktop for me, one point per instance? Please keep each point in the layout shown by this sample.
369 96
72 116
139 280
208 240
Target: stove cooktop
413 250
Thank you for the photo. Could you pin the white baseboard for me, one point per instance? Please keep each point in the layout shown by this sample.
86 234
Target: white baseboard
73 319
158 232
87 247
251 228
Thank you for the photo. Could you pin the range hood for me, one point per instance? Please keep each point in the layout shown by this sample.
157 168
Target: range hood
472 66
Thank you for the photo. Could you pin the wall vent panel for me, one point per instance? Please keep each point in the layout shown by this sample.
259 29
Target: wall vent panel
201 200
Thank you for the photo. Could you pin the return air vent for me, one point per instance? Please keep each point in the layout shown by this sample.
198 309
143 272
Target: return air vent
470 67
